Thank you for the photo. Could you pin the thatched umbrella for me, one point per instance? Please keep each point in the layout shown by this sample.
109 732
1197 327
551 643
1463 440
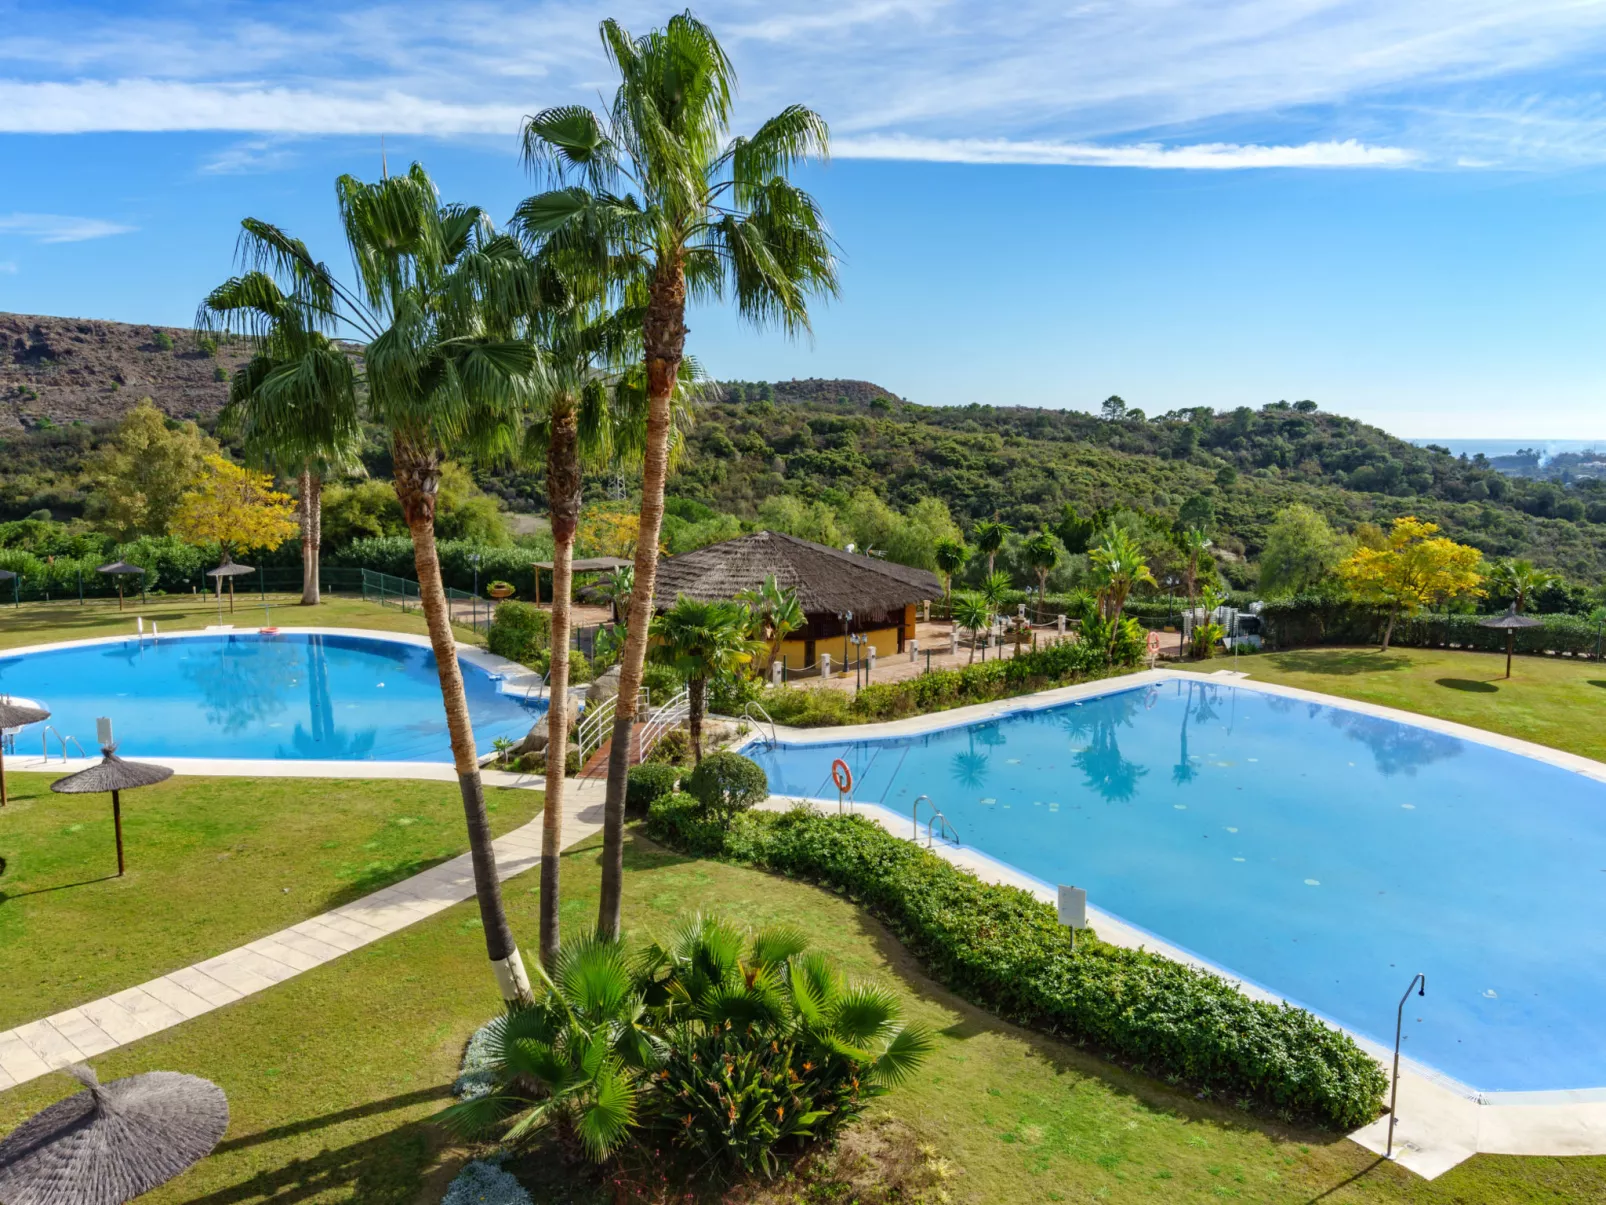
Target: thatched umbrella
121 569
15 715
113 1142
228 569
1510 621
115 775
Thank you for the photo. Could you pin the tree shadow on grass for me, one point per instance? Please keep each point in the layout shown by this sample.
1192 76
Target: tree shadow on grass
378 878
1470 685
1334 663
1596 682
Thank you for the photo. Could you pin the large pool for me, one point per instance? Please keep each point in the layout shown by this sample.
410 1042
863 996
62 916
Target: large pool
1321 853
291 695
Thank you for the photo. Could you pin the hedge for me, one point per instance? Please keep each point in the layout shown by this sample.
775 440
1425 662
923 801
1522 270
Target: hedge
1003 949
1307 620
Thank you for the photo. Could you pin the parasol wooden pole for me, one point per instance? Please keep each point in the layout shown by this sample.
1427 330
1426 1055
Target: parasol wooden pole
1511 638
117 823
2 771
119 591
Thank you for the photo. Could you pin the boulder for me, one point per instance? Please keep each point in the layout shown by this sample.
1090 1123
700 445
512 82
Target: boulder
535 741
605 687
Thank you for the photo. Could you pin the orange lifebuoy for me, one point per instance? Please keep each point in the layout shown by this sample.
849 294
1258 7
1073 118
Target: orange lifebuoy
842 776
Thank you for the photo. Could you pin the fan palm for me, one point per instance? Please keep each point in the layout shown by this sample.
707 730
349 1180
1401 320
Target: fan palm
701 640
972 612
776 615
989 536
1117 565
1519 580
442 302
656 189
293 404
951 557
1194 546
1042 554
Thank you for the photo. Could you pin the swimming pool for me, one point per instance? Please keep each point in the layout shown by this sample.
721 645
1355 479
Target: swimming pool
1321 853
293 695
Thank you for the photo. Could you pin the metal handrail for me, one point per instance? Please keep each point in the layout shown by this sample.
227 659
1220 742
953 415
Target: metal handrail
747 714
947 832
44 743
588 733
662 720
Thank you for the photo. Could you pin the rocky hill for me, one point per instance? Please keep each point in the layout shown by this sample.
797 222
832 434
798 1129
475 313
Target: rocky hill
60 371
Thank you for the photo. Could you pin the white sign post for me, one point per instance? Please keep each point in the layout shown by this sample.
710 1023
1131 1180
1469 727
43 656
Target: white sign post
1073 909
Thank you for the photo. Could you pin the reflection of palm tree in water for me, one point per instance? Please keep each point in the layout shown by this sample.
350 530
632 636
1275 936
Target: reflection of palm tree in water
245 683
320 705
969 769
1183 772
1107 772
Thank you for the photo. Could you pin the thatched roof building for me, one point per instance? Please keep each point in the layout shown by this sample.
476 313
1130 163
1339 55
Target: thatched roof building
829 584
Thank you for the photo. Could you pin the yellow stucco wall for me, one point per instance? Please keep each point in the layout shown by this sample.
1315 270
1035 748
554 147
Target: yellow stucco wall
884 641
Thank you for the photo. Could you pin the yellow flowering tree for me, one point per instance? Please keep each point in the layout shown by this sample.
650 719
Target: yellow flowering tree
1416 567
235 508
608 530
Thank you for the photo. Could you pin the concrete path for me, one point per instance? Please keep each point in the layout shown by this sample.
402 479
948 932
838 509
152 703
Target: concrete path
76 1034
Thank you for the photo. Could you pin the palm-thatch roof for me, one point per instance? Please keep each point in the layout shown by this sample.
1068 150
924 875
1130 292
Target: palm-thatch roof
827 580
1511 620
16 713
111 774
6 575
119 567
112 1142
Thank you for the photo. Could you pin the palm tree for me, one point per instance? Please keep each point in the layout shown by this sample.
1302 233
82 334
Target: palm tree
1117 566
701 640
293 404
989 536
1519 580
973 613
951 557
1194 545
1042 554
656 189
442 302
775 613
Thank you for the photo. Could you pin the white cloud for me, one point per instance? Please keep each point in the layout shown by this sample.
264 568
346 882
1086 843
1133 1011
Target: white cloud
58 228
248 157
1208 156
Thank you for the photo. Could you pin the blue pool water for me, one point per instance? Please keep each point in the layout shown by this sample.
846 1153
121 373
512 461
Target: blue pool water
293 695
1321 853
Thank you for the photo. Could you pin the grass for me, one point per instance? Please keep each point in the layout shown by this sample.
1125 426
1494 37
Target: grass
44 623
1548 700
212 864
332 1076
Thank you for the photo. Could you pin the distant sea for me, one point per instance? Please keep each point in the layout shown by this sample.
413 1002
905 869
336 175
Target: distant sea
1509 447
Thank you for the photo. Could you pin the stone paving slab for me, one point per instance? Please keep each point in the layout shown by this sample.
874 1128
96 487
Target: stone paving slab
90 1029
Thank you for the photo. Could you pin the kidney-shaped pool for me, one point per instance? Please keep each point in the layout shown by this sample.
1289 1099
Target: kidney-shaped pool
1324 854
242 695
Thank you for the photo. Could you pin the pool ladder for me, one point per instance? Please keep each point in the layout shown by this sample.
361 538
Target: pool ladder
44 743
937 826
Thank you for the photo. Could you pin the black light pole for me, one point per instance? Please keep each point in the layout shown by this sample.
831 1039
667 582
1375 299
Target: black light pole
1399 1019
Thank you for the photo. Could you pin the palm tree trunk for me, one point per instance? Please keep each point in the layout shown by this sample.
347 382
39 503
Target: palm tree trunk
563 503
1042 589
696 691
417 479
311 530
665 338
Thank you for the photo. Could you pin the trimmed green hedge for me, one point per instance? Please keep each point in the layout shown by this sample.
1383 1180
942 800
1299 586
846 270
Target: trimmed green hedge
1310 619
1005 950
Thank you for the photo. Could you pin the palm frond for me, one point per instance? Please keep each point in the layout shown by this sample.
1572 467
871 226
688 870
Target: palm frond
862 1013
903 1055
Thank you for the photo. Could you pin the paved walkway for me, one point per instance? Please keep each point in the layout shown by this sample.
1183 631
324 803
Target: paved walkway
76 1034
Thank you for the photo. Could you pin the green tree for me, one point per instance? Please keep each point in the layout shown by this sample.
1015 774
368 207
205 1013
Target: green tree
989 538
1042 554
1417 567
951 556
790 515
657 190
1519 581
973 613
1195 547
1301 552
701 640
1116 566
138 478
442 302
775 615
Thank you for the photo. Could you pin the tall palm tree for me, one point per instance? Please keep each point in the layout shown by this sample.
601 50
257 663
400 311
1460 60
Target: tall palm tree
989 536
951 557
775 613
1117 566
1194 546
293 404
1520 580
441 302
972 612
702 640
1042 554
658 189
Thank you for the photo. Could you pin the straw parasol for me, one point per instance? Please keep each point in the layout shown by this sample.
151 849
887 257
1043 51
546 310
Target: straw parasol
228 569
121 569
115 775
15 715
1510 622
113 1142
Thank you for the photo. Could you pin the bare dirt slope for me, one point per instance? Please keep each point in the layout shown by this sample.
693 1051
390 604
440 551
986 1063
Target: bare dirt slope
64 370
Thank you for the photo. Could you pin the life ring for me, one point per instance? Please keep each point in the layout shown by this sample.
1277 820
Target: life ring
842 776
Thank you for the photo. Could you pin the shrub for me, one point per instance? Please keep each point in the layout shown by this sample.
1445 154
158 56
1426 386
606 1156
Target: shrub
580 671
1005 950
219 373
519 632
482 1182
727 783
672 749
648 783
662 682
162 340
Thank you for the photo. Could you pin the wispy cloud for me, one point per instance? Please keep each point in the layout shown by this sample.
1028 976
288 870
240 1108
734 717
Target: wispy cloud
1163 83
58 228
249 157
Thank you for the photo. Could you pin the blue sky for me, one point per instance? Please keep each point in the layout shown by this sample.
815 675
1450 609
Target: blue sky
1398 209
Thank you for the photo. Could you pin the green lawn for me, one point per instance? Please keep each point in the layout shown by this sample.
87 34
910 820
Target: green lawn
43 623
1548 700
212 864
332 1075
